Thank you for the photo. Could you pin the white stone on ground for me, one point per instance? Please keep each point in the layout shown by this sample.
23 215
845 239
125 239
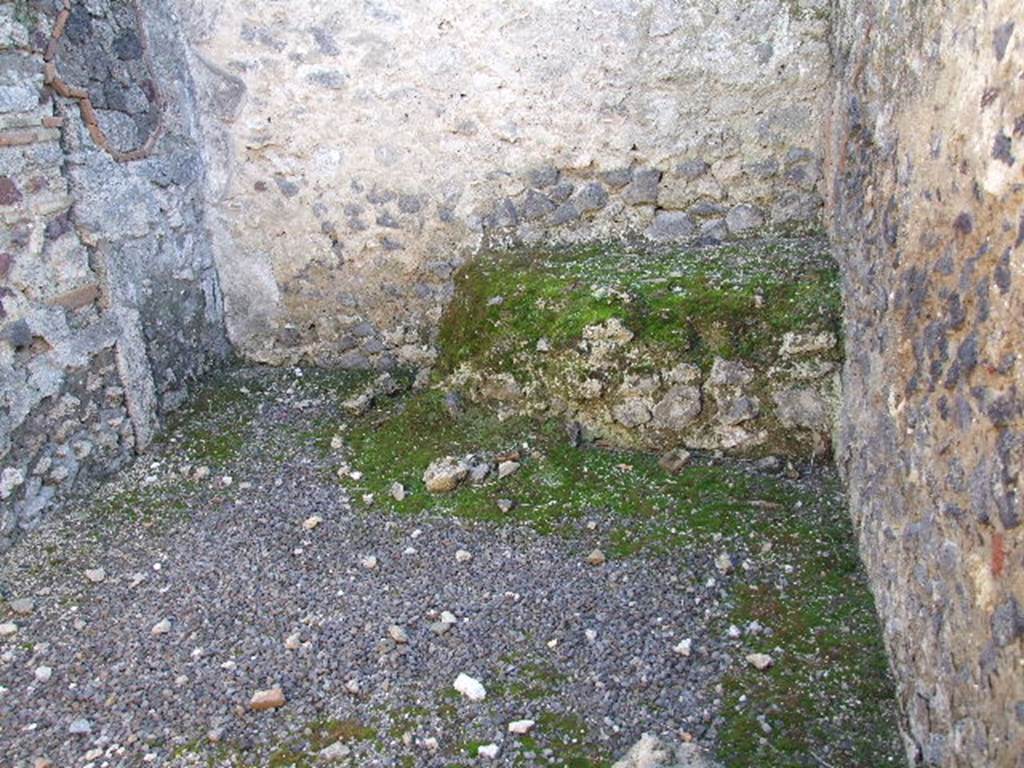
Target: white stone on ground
488 751
445 474
521 727
43 674
23 606
336 751
80 727
648 752
398 634
8 628
760 660
293 642
462 556
312 522
507 468
369 562
724 563
95 575
469 687
161 627
271 698
398 492
596 557
684 647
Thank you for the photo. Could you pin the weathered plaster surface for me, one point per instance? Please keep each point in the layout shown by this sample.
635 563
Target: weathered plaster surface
109 305
928 204
360 150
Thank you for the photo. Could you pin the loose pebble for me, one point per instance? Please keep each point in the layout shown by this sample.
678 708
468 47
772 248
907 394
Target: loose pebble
488 751
272 698
23 607
469 687
521 727
161 627
760 660
596 557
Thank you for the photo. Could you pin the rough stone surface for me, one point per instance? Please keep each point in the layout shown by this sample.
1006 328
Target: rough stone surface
109 305
320 225
926 205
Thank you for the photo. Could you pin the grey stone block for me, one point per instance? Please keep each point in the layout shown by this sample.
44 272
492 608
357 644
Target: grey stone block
643 188
591 197
670 226
536 206
744 218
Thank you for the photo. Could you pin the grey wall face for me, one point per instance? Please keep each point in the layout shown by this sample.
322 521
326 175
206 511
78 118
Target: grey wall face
927 169
362 150
109 305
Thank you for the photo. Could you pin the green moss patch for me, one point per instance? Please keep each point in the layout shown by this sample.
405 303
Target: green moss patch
830 684
732 301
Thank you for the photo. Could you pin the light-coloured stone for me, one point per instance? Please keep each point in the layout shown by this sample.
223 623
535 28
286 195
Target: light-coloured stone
22 606
648 752
596 557
445 474
507 468
162 627
271 698
470 687
677 409
488 751
674 461
794 343
334 752
633 412
521 727
760 661
804 408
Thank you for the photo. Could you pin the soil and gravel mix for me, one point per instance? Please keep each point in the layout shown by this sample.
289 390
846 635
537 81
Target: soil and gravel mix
275 542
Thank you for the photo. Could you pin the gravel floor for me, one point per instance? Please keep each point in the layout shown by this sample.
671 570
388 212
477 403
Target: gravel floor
586 651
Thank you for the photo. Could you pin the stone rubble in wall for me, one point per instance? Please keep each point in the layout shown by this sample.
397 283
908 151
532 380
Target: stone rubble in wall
76 371
736 406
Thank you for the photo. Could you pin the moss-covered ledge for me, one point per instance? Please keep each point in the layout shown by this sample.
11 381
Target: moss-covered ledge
734 347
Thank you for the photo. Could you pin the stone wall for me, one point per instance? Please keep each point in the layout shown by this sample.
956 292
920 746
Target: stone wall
928 206
361 150
719 348
109 303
